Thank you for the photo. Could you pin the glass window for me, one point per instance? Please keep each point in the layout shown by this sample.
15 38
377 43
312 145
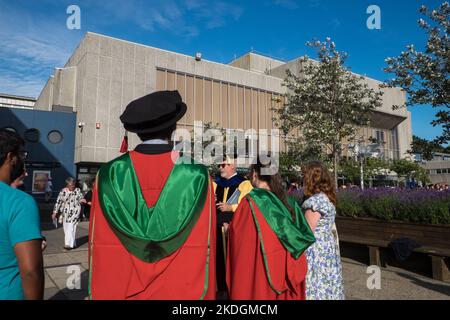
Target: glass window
55 137
32 135
93 170
439 171
380 136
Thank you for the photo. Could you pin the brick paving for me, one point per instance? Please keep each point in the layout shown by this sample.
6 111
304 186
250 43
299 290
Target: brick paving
396 284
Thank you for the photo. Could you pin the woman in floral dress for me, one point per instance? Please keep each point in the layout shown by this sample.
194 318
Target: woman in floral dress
324 278
69 207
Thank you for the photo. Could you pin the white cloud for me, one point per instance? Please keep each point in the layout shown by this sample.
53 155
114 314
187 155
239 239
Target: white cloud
335 23
33 44
295 4
182 18
31 47
288 4
20 84
213 14
314 3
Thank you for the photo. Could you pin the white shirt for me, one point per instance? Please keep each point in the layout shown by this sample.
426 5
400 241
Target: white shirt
232 176
155 141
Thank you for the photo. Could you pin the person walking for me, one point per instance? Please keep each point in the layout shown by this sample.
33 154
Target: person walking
48 189
68 206
86 202
324 278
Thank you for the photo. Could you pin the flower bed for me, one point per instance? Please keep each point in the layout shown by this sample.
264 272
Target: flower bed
416 206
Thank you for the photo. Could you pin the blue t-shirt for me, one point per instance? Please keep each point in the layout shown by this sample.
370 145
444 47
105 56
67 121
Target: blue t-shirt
19 222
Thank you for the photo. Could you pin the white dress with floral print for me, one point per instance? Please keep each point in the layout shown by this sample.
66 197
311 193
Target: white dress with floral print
68 204
324 278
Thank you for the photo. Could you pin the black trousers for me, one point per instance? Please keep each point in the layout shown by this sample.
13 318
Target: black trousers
220 263
220 254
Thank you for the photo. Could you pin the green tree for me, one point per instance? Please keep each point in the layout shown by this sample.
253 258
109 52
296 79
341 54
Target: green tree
289 165
200 144
425 75
351 170
424 147
291 162
373 167
405 169
326 102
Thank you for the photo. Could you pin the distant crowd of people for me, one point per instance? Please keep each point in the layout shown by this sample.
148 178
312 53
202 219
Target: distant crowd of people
438 187
71 207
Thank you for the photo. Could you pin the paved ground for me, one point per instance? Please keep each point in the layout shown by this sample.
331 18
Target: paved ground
395 283
60 264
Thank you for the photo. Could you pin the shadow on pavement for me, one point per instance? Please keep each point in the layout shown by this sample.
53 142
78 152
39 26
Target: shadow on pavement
81 241
441 288
75 294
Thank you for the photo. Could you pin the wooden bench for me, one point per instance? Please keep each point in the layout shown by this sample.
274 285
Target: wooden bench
375 234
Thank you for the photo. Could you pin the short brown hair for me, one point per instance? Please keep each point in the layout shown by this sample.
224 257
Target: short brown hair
317 179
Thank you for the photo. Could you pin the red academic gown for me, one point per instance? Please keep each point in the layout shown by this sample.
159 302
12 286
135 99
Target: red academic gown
117 275
246 273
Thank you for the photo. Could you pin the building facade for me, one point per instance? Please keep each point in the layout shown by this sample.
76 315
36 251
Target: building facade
50 142
12 101
438 168
104 74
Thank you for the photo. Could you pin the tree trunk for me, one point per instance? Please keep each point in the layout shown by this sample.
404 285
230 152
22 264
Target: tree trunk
335 163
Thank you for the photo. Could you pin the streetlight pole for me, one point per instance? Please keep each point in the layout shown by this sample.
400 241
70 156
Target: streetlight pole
361 157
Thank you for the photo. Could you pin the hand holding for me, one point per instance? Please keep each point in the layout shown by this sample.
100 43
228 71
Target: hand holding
224 207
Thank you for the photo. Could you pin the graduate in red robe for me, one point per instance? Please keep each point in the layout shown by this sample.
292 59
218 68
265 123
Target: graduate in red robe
152 229
267 238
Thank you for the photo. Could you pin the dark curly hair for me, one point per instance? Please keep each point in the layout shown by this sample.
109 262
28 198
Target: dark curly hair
9 142
317 179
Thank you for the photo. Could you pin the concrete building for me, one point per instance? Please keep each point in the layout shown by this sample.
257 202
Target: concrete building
49 139
438 169
12 101
104 74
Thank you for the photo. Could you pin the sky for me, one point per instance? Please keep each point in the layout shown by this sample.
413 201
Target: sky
34 38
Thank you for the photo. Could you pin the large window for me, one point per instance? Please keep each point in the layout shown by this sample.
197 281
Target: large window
223 103
32 135
380 136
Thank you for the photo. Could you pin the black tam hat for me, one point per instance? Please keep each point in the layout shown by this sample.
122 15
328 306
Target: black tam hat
154 112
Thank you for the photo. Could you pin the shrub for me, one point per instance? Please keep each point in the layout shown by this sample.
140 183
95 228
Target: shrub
417 206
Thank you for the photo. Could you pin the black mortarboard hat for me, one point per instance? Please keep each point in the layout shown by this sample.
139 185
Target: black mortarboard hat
154 112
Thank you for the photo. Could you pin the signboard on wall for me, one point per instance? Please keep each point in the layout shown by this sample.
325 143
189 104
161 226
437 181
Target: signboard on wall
40 179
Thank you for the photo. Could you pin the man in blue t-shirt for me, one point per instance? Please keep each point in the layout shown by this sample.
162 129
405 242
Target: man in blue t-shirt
21 263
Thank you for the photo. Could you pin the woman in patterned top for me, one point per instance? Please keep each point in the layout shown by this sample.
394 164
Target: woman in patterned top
68 205
324 277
